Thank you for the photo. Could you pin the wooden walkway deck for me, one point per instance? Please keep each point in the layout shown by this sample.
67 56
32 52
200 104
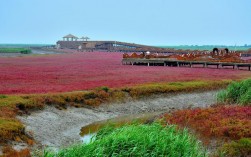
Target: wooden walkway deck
166 62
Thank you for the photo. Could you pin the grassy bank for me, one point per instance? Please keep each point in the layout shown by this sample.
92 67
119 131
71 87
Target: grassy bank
237 93
229 125
15 50
12 105
137 140
224 129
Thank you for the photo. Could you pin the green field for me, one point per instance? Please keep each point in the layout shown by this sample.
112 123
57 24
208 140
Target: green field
15 50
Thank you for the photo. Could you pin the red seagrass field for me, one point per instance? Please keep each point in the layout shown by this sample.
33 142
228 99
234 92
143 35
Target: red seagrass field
88 70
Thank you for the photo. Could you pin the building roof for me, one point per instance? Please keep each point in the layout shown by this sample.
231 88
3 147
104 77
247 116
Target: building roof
70 36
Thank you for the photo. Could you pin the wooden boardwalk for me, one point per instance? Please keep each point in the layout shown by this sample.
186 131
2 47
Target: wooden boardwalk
167 62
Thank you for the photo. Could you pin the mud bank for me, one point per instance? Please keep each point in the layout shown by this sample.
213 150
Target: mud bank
60 128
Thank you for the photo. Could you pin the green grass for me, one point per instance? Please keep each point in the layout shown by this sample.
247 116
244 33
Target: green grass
15 50
137 140
237 93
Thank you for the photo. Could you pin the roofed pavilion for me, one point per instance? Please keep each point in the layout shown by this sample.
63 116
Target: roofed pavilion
85 38
70 37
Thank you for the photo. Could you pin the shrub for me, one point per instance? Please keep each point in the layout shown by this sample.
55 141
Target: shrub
26 51
241 147
237 92
104 88
10 128
246 97
90 95
3 96
138 140
117 95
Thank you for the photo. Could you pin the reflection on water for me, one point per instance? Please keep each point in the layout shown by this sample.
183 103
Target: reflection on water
87 132
87 138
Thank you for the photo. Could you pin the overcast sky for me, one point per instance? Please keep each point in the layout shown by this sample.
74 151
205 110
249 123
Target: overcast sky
152 22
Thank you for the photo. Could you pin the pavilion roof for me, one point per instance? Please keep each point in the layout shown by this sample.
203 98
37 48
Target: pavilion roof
70 36
85 38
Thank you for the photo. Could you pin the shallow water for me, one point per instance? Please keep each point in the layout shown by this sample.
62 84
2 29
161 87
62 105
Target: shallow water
89 131
87 138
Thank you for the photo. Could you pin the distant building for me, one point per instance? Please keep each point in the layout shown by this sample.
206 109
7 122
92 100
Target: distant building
70 37
84 44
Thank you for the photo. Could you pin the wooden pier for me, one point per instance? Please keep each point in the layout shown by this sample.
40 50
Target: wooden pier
167 62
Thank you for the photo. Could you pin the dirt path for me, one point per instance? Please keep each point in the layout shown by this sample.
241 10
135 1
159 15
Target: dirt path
56 128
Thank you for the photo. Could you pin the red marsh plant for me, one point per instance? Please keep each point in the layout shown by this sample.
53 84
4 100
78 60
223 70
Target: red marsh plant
84 71
233 122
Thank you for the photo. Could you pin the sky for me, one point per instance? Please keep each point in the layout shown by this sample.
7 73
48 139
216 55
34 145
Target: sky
151 22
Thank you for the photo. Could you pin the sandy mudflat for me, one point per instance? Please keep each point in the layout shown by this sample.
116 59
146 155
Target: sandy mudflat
59 128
